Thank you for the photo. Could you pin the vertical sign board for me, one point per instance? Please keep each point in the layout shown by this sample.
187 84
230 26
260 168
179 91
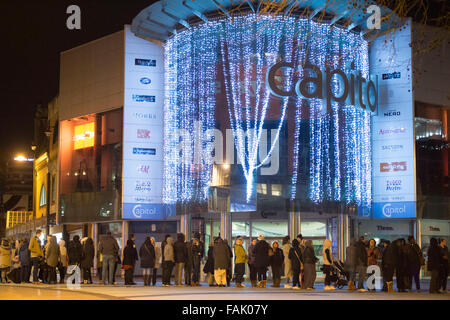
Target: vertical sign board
143 129
393 140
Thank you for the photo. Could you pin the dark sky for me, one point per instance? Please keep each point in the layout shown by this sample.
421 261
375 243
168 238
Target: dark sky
32 34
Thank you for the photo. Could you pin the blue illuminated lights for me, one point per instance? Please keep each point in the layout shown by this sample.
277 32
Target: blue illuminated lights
243 49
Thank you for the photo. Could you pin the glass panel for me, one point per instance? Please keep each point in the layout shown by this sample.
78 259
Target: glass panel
313 229
270 229
277 189
240 229
43 197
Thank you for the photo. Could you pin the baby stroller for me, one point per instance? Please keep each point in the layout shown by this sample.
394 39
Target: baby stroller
339 276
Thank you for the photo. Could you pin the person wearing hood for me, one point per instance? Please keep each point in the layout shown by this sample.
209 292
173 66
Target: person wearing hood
276 262
351 253
309 265
251 262
25 261
221 261
63 261
261 260
434 262
168 261
75 251
240 259
5 260
130 257
147 256
287 262
327 263
87 259
209 265
52 256
197 255
180 256
157 260
295 255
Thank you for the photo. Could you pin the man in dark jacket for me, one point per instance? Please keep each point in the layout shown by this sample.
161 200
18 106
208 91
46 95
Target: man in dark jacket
361 264
188 264
147 255
75 251
389 264
221 261
251 262
25 261
443 273
197 255
434 262
261 260
180 255
414 259
130 256
109 249
351 254
295 255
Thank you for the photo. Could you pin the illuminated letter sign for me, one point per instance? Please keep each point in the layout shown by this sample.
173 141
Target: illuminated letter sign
84 136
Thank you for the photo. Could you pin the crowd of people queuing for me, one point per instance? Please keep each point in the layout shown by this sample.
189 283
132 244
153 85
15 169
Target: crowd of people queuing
297 259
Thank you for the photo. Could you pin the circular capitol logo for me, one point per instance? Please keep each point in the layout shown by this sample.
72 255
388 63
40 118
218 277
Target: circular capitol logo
145 80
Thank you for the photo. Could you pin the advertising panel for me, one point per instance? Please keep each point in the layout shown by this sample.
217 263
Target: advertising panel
143 130
393 168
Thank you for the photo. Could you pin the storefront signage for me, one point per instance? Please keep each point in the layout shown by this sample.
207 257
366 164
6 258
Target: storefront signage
435 228
353 88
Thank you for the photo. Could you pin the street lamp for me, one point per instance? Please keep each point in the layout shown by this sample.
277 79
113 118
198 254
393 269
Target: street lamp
21 158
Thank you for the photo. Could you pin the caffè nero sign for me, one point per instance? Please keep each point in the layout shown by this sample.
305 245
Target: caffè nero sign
353 90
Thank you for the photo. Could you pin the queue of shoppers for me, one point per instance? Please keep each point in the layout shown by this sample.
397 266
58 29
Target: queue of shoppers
29 259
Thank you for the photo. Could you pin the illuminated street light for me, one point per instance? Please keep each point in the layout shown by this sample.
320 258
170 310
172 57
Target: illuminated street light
21 158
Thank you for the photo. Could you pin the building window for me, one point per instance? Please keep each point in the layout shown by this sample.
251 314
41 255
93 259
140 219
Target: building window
43 197
53 189
262 188
276 190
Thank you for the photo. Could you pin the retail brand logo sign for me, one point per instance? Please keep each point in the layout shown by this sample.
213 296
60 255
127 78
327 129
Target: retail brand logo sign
353 88
145 62
145 81
143 98
384 210
393 166
393 75
143 134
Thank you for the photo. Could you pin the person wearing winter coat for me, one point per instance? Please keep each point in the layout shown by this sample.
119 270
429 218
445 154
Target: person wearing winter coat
148 257
240 259
434 262
373 255
180 255
276 262
87 259
130 256
415 261
52 256
209 265
36 254
262 261
295 255
157 260
389 264
63 261
444 269
327 254
75 251
401 272
361 263
351 253
230 268
108 248
287 262
168 261
309 265
221 261
5 260
251 262
197 255
25 261
188 264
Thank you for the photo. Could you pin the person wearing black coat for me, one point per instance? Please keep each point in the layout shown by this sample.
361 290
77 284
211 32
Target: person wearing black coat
295 255
401 272
188 264
276 262
197 255
230 264
180 255
434 262
147 255
389 263
209 265
414 262
222 261
361 263
75 251
25 261
444 270
130 256
87 259
262 260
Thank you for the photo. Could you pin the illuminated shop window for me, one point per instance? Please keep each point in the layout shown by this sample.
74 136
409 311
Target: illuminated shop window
270 229
43 197
277 189
240 229
262 188
84 136
313 229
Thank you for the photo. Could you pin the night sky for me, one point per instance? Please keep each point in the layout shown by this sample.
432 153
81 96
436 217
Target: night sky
33 33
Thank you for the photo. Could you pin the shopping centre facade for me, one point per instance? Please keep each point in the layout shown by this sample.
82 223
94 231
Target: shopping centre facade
204 118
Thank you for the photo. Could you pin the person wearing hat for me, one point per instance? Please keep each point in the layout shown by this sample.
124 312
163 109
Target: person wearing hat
262 260
240 259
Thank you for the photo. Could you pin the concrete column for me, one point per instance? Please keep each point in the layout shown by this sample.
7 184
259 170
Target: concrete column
225 226
294 224
185 226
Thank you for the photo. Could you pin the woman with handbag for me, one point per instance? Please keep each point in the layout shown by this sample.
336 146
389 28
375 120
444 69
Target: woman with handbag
147 256
130 257
87 259
157 260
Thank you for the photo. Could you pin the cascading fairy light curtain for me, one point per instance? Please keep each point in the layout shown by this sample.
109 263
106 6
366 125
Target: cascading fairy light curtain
245 47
